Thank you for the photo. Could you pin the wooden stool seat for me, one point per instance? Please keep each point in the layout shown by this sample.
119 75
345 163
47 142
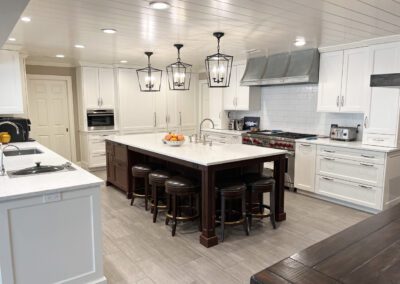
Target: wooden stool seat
177 188
140 171
157 181
257 185
229 191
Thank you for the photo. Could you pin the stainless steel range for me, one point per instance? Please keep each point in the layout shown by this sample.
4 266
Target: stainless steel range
278 140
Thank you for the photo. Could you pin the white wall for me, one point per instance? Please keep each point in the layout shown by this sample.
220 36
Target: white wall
294 108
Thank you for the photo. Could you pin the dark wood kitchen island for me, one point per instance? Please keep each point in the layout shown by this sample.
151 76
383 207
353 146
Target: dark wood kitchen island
194 159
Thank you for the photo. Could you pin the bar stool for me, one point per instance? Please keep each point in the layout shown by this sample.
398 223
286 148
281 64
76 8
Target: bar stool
178 188
141 171
157 181
235 190
257 185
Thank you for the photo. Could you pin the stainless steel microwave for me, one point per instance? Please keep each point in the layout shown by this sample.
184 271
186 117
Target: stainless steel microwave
100 119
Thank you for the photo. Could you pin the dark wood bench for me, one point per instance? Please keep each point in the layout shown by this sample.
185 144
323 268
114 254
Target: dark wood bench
368 252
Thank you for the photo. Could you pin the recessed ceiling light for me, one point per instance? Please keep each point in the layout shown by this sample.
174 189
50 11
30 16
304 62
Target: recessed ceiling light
124 61
300 41
79 46
109 31
12 39
26 19
159 5
60 55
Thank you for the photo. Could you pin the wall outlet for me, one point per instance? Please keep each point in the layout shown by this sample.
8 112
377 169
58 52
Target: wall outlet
52 197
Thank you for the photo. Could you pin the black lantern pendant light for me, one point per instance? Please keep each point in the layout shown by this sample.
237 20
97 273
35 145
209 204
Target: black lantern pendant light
149 77
179 73
219 67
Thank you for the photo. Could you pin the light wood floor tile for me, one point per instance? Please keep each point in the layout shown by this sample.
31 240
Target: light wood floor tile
138 251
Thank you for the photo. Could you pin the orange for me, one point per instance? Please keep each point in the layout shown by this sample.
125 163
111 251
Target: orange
168 137
181 137
173 139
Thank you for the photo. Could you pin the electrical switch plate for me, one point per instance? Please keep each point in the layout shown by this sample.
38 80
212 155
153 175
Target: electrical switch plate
52 197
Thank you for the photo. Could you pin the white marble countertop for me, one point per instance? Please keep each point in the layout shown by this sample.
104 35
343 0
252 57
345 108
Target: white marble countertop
196 152
351 144
225 131
21 187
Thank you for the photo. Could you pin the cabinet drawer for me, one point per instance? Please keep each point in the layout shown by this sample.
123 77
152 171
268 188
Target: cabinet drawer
351 170
96 146
368 196
97 160
384 140
352 154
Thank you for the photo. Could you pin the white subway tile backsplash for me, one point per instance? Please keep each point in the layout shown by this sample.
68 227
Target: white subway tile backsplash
294 108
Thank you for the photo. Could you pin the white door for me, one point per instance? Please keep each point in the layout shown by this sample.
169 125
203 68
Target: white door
136 108
242 92
355 84
106 88
187 107
49 114
229 93
90 85
330 81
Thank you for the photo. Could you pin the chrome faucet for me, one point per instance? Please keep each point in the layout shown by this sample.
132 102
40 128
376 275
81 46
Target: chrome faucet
3 170
204 120
12 124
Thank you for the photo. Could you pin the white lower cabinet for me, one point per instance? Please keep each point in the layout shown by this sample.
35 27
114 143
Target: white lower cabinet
359 194
304 175
93 148
224 138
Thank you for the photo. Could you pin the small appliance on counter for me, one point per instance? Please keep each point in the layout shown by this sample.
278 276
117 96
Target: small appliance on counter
18 128
236 124
342 133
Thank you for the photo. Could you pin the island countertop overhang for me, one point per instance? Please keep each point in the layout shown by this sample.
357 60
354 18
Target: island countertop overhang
196 153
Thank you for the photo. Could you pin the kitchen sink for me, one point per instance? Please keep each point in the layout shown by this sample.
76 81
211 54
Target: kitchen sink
22 152
39 169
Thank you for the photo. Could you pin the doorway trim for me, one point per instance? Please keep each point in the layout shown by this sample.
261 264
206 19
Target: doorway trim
200 100
71 120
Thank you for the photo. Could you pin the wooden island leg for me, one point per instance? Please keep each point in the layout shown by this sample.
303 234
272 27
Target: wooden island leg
279 175
208 237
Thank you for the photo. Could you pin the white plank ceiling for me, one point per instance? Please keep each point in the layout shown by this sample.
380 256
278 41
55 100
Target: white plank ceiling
268 25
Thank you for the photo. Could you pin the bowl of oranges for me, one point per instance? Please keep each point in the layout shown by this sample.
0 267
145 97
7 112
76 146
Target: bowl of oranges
173 139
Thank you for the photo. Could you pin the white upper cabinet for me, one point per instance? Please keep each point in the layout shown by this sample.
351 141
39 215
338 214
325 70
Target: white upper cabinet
11 94
238 97
166 110
355 80
136 109
381 121
98 89
106 88
343 81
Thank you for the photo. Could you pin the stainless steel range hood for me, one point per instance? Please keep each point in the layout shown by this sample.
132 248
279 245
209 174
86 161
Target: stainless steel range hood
385 80
297 67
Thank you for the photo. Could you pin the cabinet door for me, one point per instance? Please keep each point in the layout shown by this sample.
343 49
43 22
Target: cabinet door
172 110
229 93
11 101
242 92
161 106
90 86
216 106
106 88
304 175
330 81
136 109
382 117
355 83
187 108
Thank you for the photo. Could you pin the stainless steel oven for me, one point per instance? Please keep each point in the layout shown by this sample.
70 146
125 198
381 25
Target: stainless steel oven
100 119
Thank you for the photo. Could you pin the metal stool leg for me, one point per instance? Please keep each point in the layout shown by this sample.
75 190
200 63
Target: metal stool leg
146 192
133 189
272 207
